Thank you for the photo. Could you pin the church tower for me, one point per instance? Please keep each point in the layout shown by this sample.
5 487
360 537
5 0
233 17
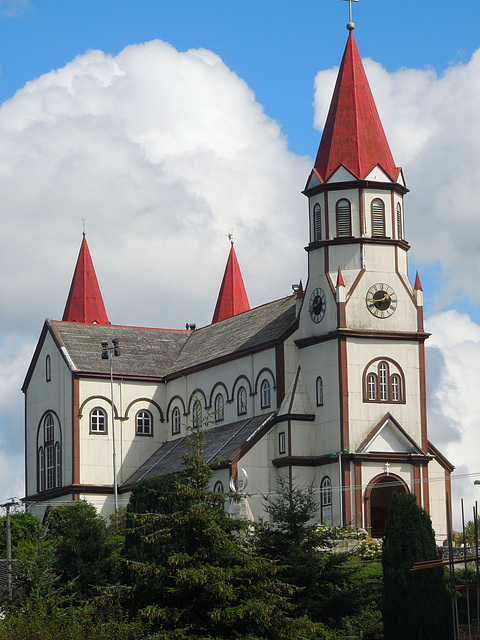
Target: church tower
361 324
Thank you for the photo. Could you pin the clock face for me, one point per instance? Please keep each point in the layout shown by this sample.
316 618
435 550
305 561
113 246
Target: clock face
317 305
381 300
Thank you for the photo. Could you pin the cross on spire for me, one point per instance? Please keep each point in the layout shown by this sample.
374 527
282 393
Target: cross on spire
351 24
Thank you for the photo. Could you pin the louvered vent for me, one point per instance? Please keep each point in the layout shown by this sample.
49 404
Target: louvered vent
399 222
317 222
344 220
378 217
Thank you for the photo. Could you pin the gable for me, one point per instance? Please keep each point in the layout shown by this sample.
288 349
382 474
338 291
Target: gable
389 437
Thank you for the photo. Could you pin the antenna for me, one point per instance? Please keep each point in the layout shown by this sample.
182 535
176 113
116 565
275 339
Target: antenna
351 24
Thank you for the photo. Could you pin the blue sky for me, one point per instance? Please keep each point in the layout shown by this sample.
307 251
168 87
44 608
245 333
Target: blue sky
277 47
163 152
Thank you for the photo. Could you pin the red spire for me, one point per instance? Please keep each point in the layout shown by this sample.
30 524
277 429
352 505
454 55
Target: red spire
232 298
340 282
85 303
418 284
353 135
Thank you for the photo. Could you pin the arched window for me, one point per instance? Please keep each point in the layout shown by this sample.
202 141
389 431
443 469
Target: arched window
48 368
265 394
326 501
49 426
372 386
344 218
175 421
49 455
317 222
383 374
399 222
144 423
378 217
218 487
197 414
241 401
383 382
98 420
219 406
319 391
396 388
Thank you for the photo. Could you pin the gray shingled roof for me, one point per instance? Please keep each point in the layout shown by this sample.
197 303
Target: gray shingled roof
157 353
144 352
221 445
246 331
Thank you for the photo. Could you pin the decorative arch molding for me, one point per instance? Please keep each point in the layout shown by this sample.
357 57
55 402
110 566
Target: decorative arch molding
150 402
197 394
391 481
397 371
176 400
262 372
105 399
238 382
215 390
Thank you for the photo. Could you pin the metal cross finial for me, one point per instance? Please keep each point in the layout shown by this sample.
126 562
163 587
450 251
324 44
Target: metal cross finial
83 222
351 24
230 236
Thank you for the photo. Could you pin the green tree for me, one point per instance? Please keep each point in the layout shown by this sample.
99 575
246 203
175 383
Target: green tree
205 579
85 553
24 528
414 602
329 588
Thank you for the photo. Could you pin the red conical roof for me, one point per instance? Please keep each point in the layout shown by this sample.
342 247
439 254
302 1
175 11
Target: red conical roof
232 298
85 303
353 135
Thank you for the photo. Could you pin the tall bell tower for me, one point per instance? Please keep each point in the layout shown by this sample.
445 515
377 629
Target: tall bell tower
361 323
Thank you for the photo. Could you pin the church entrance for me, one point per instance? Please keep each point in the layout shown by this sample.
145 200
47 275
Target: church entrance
380 499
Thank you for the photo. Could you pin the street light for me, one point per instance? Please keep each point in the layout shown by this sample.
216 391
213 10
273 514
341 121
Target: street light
107 354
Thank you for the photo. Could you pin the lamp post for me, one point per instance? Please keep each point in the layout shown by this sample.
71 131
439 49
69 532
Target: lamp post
107 354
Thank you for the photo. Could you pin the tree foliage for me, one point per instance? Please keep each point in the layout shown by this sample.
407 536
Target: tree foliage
414 602
327 588
85 553
206 580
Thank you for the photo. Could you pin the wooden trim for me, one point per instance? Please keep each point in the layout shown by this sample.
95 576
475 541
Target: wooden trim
417 483
423 396
356 184
361 210
376 240
75 430
340 333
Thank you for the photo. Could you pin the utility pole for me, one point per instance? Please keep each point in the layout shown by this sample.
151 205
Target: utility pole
8 506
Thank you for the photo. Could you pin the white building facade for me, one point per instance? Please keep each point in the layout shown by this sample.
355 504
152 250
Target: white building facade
325 387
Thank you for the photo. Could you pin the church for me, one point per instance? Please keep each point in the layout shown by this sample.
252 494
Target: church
325 388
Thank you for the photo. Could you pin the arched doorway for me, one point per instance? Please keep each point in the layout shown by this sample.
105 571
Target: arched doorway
378 499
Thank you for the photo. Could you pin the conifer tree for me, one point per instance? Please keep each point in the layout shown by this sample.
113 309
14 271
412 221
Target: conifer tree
204 579
414 602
